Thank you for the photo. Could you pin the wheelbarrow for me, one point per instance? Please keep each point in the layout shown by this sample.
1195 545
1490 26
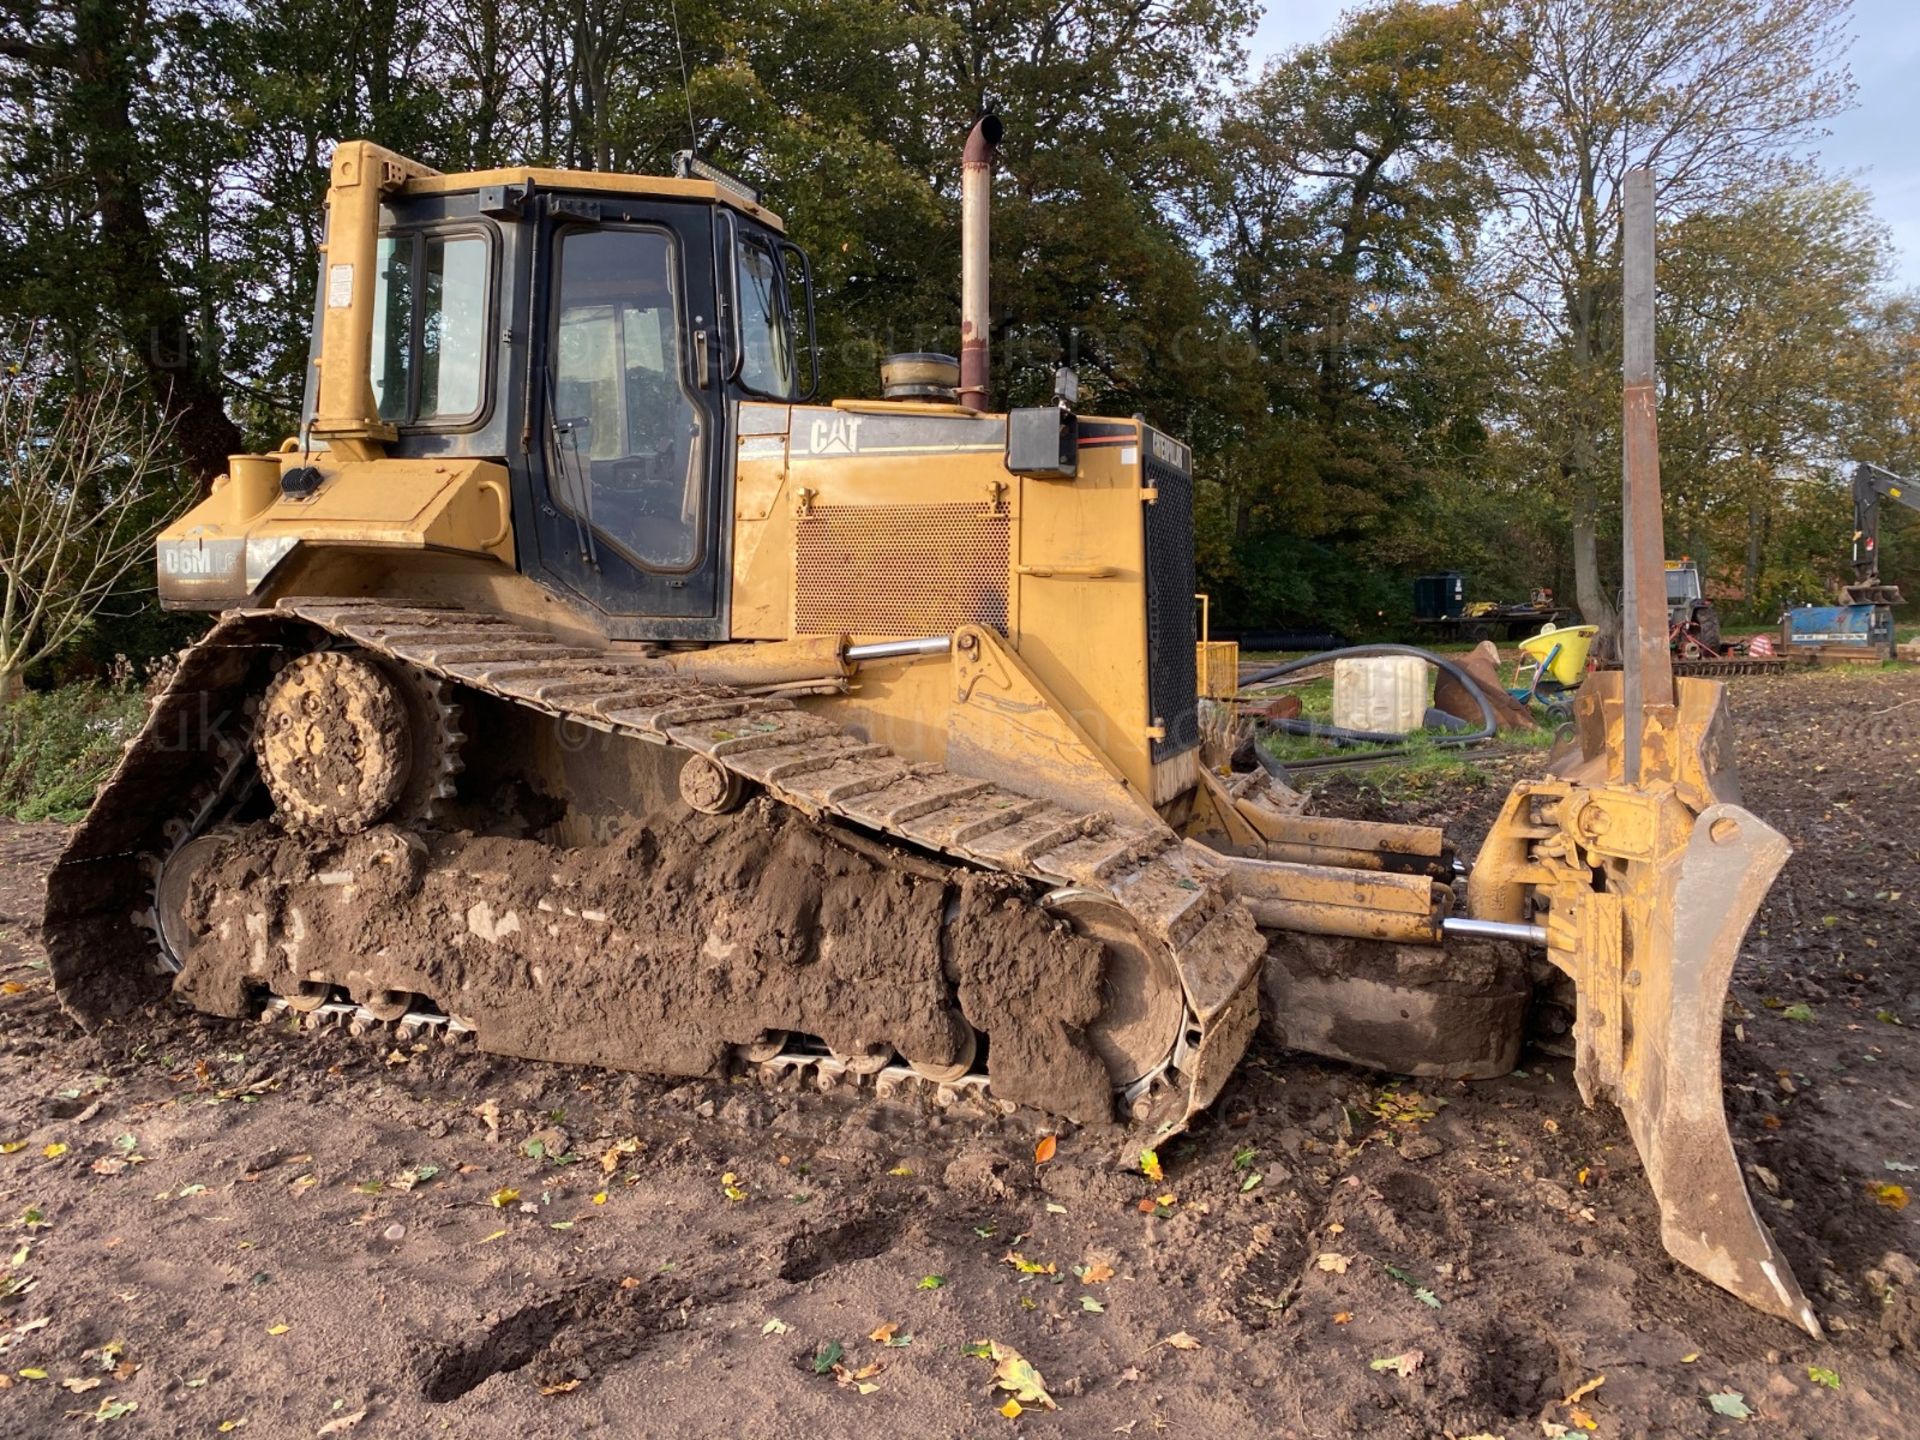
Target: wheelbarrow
1552 664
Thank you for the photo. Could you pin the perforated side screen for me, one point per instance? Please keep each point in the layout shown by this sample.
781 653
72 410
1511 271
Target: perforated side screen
1172 680
905 570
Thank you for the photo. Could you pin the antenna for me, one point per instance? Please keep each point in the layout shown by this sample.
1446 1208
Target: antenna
686 86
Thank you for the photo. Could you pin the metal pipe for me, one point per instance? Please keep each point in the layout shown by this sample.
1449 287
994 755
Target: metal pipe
898 649
1463 928
976 204
1648 682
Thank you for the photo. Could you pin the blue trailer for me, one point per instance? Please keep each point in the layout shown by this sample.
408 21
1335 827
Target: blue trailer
1838 633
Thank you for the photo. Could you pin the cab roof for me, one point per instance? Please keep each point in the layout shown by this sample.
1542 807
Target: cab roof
652 187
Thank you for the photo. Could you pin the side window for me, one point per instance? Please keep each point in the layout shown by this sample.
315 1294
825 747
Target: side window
430 355
766 334
627 432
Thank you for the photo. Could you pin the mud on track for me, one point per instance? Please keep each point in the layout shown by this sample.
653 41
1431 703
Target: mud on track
267 1198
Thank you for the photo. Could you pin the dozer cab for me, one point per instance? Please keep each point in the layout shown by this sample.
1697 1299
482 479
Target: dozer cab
584 689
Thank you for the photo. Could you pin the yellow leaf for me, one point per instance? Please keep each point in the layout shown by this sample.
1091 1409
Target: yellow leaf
560 1388
1150 1165
278 1329
12 1147
1026 1266
1894 1197
227 1426
1181 1340
600 1197
503 1197
1012 1409
56 1150
1043 1152
12 987
1013 1371
33 1372
885 1332
1575 1396
1582 1419
489 1239
1690 1357
866 1387
1167 1199
901 1170
1345 1317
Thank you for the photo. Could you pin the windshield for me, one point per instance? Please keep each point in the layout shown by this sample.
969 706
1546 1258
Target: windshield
1683 584
766 337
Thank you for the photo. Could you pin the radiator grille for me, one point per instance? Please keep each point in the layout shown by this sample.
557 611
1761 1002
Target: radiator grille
900 569
1172 681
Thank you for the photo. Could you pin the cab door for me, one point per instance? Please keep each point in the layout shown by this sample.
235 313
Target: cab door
627 418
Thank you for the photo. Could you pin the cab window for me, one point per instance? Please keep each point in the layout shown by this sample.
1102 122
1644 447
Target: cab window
765 324
431 294
627 430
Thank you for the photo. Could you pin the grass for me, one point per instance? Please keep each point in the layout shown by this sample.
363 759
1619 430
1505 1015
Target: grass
58 746
1424 762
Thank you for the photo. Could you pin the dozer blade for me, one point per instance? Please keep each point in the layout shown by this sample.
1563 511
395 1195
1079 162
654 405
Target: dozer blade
1646 892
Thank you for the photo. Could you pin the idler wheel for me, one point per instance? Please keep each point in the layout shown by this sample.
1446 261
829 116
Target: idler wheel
710 788
1142 1003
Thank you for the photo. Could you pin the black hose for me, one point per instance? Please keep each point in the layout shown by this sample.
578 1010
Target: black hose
1293 725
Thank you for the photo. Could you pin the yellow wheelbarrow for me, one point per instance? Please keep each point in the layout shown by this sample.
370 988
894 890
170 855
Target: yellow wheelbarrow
1552 665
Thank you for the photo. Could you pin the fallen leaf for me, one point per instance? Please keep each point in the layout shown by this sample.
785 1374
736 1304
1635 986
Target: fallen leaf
931 1282
1055 1209
827 1356
1690 1357
1252 1182
1402 1365
883 1333
1181 1340
496 1235
1579 1393
278 1329
978 1350
33 1372
1026 1266
1094 1272
112 1409
80 1386
12 1147
343 1424
1345 1317
1894 1197
775 1326
1334 1263
1011 1409
600 1197
12 987
1730 1403
731 1187
1014 1372
54 1151
901 1170
1150 1165
1581 1418
560 1387
1043 1152
1092 1306
503 1197
1820 1375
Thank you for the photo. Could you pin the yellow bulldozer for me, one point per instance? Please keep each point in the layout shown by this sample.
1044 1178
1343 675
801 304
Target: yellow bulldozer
584 689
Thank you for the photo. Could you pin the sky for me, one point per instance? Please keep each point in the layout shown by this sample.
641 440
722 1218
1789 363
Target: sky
1877 142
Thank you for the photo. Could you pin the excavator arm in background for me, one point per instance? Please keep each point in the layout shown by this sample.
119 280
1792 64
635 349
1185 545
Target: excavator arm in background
1872 485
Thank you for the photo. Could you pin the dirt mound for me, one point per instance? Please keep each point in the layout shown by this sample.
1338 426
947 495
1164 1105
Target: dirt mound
686 936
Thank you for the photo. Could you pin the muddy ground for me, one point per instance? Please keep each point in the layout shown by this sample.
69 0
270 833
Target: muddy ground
211 1227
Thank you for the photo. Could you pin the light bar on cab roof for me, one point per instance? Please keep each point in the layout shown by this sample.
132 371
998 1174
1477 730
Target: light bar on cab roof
689 166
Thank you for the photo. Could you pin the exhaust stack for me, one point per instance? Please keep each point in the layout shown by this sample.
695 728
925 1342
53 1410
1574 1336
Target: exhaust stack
976 203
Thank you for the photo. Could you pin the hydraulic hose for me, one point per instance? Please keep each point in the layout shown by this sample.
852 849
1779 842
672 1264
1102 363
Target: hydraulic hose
1343 736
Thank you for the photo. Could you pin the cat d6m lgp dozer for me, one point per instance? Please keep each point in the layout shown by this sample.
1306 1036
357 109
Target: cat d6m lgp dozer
583 688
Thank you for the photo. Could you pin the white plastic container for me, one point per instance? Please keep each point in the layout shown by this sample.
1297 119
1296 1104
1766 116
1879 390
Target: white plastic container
1387 693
